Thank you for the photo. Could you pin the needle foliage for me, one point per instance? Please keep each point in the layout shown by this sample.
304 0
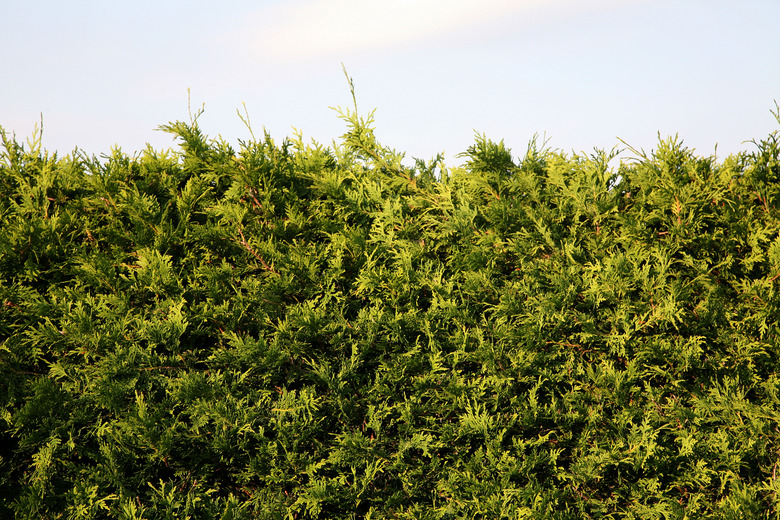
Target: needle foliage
293 331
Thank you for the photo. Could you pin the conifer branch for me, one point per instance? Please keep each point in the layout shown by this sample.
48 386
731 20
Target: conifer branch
254 253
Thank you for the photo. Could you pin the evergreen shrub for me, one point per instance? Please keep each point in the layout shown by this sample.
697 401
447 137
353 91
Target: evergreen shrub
294 331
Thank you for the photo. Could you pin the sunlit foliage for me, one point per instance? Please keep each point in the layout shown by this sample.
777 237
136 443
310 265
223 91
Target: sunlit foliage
292 331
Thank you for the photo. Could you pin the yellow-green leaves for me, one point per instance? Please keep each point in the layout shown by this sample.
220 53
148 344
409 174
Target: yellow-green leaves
289 330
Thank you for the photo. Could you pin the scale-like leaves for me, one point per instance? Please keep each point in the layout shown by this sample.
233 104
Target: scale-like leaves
299 331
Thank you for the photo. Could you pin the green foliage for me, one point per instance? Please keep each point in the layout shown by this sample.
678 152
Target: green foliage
290 331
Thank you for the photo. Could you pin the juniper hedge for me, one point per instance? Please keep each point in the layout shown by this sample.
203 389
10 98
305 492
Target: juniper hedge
294 331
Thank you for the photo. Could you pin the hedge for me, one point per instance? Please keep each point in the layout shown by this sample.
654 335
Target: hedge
296 331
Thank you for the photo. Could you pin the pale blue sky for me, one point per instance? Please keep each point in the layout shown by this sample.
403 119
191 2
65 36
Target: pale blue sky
582 72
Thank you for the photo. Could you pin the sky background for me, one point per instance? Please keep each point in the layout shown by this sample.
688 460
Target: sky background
580 73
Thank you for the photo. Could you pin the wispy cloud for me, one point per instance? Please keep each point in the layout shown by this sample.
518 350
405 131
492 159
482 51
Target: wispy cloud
311 29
